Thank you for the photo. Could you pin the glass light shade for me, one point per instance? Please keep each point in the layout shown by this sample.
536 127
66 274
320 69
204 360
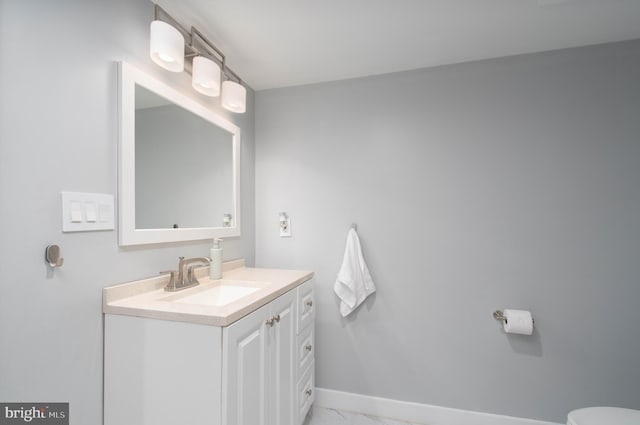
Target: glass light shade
234 97
167 46
206 76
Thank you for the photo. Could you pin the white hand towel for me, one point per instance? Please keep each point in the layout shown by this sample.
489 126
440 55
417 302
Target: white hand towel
354 283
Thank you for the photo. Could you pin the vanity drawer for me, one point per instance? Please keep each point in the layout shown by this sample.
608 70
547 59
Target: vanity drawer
306 348
306 305
306 393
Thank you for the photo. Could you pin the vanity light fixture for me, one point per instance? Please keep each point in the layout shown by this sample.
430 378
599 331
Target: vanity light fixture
204 61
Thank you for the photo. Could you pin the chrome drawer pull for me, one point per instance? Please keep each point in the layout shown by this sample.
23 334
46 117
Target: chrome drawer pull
277 318
269 322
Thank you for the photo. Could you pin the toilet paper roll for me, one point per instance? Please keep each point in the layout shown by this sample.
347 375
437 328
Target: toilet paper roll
518 322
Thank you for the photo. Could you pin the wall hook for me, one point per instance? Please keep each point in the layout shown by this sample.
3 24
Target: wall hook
52 256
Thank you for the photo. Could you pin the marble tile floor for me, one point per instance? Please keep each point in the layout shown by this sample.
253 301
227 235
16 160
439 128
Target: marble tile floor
324 416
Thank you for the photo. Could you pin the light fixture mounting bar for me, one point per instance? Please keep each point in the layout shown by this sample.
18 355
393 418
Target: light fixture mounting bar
159 14
206 48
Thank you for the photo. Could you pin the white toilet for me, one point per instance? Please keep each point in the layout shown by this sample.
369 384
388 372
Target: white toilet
604 416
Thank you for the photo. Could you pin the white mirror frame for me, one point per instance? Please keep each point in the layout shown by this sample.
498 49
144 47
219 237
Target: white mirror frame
128 77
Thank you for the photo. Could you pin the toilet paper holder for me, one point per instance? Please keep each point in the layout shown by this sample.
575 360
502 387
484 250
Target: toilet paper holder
499 315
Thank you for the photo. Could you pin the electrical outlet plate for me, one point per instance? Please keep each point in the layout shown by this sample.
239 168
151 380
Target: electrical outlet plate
285 228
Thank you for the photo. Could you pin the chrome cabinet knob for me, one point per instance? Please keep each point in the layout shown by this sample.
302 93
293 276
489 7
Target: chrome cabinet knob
309 303
272 320
308 347
308 392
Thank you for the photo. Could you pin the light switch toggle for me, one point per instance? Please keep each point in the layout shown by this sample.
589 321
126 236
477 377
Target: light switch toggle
76 212
91 212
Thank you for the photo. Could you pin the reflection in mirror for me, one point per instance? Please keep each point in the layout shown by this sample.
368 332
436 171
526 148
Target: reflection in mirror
179 166
184 173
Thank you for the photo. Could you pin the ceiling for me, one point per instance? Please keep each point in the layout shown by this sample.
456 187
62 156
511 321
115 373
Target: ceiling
279 43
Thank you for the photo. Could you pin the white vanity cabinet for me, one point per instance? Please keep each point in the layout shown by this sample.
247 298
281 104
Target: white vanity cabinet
255 371
268 362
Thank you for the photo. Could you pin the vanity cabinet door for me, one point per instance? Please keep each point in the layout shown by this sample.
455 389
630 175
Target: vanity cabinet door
259 366
244 398
282 361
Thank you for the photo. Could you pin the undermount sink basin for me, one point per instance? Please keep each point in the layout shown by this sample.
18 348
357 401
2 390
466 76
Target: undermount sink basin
218 295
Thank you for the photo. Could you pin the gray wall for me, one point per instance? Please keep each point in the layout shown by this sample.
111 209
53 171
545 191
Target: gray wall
58 131
507 183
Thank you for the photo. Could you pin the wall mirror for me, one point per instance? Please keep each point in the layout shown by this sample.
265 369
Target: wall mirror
179 165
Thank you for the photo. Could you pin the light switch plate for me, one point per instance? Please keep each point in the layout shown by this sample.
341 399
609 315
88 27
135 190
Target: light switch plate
87 212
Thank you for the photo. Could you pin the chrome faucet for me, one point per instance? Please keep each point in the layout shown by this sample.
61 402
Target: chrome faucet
186 276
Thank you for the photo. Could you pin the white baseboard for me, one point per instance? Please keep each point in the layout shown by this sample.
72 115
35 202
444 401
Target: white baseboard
413 412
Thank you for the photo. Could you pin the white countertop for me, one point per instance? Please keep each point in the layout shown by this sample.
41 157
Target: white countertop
147 298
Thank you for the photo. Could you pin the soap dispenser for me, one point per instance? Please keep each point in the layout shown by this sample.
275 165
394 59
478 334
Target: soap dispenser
215 253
